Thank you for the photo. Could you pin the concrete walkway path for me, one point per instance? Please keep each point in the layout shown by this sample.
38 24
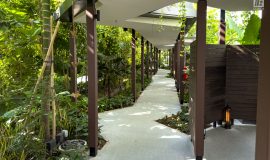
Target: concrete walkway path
133 134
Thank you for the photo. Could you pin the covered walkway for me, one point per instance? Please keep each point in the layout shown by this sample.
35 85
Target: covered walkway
133 133
134 15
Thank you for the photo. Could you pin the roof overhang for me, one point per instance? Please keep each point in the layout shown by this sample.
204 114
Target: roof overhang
144 16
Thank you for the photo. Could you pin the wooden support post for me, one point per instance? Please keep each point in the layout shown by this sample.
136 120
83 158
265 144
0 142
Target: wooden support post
171 60
174 62
263 109
92 78
147 59
182 87
73 61
200 79
177 70
151 59
133 65
159 58
182 64
156 62
222 36
168 59
142 63
222 29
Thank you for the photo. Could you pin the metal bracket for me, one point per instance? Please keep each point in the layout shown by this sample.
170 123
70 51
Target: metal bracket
97 15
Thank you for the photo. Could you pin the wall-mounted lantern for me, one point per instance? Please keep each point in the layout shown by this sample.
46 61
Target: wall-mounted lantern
228 117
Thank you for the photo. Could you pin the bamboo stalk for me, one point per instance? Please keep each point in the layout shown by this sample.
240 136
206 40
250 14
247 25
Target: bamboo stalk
45 61
53 90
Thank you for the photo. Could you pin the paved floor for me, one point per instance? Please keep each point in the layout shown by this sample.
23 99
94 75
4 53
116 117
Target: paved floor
133 134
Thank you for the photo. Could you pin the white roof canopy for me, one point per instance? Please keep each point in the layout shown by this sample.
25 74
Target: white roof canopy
143 16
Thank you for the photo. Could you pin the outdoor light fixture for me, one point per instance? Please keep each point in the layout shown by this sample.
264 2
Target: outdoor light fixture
227 117
97 15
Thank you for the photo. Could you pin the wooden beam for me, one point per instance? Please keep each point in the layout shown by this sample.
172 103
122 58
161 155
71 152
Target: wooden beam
92 78
133 65
263 109
142 63
200 79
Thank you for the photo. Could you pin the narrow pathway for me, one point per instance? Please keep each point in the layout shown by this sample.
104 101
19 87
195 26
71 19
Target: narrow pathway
133 134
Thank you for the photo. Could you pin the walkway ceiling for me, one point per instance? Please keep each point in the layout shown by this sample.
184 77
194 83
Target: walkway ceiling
144 16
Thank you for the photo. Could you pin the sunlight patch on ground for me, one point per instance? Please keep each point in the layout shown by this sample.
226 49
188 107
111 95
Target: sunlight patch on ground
124 125
158 126
108 120
171 137
140 113
111 114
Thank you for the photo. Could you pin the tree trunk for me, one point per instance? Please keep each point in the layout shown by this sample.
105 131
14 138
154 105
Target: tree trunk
46 37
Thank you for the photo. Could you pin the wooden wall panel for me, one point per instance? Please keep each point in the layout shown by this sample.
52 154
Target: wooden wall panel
242 81
215 82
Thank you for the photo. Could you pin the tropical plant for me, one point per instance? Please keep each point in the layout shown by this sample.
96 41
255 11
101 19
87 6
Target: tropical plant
252 31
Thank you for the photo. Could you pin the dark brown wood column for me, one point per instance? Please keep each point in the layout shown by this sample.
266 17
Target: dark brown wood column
172 63
222 36
182 64
73 61
177 70
142 63
159 56
222 28
200 79
133 65
263 105
147 59
175 62
151 59
182 87
154 60
92 78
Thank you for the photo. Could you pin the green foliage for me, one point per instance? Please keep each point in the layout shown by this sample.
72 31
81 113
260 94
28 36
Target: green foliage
212 28
113 51
169 75
19 42
252 31
21 134
72 116
180 121
116 102
15 144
